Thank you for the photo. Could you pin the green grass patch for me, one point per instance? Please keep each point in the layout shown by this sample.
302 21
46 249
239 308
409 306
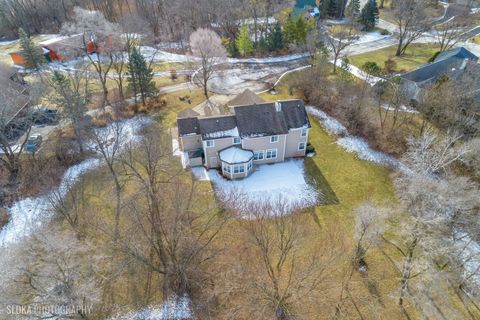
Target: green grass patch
416 55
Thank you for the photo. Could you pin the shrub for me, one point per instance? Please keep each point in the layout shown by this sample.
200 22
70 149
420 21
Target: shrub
310 148
384 32
372 68
390 65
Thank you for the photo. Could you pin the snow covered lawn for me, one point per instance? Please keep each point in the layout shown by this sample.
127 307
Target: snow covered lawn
175 308
29 214
283 181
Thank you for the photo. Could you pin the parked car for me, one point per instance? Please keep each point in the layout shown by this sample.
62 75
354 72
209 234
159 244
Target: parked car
33 143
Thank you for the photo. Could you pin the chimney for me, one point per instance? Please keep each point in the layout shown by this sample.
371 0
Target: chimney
278 106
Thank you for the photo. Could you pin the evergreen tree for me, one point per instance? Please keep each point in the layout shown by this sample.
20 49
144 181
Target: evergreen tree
369 15
301 30
328 8
353 9
275 38
295 30
243 42
30 53
141 76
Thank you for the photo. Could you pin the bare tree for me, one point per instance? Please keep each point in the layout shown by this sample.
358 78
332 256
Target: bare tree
100 35
108 143
448 34
171 226
411 20
280 284
337 40
430 154
207 46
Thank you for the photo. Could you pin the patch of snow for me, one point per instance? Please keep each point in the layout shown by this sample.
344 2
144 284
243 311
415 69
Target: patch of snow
235 155
179 153
200 173
402 108
290 57
222 134
175 308
354 144
331 124
360 147
370 36
29 214
470 254
359 73
284 181
151 53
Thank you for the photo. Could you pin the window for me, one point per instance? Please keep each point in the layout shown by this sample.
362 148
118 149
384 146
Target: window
271 154
210 143
301 146
249 165
273 139
236 140
238 168
226 168
304 132
258 155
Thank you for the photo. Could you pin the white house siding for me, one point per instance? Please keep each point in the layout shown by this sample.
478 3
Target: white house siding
294 137
263 144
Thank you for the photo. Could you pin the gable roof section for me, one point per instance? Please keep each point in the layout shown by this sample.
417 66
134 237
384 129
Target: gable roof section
460 53
188 113
260 120
450 63
188 126
295 114
218 127
245 98
435 70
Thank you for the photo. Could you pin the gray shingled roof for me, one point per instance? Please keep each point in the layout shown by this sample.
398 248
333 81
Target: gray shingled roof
295 113
260 120
188 126
460 53
223 125
251 120
247 97
449 63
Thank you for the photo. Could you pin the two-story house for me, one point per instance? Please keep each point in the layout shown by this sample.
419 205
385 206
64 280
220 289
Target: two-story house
254 134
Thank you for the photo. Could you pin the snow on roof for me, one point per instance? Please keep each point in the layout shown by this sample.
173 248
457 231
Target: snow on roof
222 134
235 155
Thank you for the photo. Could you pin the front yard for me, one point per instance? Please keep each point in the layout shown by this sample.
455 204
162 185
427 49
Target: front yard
416 55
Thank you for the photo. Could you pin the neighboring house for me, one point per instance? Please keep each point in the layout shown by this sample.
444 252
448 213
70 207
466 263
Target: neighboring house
13 97
306 8
62 49
452 64
254 134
